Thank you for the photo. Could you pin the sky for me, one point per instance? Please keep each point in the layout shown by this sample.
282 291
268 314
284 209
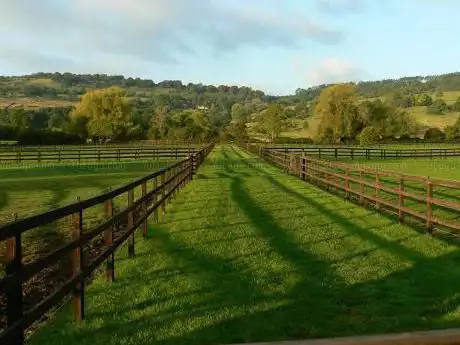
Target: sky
273 45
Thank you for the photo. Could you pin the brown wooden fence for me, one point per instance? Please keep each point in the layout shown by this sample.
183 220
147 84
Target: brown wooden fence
18 155
91 245
364 153
434 202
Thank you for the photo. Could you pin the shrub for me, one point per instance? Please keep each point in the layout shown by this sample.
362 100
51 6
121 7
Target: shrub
434 134
368 136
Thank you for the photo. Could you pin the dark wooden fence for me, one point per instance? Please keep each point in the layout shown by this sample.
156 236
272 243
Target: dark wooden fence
89 248
434 202
365 153
50 154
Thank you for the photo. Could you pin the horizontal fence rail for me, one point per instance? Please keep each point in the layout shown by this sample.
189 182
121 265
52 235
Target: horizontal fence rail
434 202
33 285
51 154
364 153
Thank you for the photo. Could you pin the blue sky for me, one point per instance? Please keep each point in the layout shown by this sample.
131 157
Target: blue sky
273 45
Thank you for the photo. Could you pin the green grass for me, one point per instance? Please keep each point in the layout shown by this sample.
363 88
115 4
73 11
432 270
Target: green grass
444 168
420 115
436 168
30 190
247 253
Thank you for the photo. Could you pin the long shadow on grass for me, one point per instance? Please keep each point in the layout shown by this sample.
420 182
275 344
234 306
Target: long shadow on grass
317 304
415 298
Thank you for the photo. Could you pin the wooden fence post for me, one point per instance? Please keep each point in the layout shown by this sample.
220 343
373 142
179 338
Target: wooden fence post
155 199
108 239
193 164
401 199
14 298
163 193
144 209
131 249
302 167
429 207
361 187
377 190
78 293
347 183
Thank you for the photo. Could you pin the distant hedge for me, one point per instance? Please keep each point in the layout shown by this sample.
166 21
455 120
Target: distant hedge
38 136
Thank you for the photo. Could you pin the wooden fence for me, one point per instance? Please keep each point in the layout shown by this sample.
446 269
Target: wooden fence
91 245
434 202
365 153
91 153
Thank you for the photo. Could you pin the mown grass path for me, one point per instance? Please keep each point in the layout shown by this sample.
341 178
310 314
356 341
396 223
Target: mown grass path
247 253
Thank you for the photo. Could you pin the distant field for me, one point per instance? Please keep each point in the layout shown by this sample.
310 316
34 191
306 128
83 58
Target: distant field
448 96
35 103
431 120
44 82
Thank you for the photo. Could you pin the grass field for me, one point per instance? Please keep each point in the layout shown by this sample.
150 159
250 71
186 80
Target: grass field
444 168
247 253
30 190
26 102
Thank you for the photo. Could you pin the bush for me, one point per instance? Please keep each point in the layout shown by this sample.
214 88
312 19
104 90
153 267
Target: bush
438 107
368 136
434 134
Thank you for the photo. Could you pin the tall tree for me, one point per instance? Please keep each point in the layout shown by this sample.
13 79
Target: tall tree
18 118
339 113
108 112
239 113
271 121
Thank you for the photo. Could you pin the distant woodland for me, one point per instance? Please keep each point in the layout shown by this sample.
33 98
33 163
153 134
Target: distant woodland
65 108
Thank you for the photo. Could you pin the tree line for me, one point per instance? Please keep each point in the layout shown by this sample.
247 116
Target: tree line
114 108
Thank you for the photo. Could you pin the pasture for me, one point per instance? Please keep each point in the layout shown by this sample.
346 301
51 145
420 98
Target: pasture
248 253
30 190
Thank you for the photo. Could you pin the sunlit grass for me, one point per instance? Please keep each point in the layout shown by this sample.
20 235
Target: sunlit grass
247 253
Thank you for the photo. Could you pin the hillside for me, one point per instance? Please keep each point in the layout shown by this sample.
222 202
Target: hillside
39 93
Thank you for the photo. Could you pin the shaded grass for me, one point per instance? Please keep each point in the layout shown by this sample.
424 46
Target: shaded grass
247 253
27 190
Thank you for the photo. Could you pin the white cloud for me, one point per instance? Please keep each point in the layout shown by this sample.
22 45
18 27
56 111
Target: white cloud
332 70
145 31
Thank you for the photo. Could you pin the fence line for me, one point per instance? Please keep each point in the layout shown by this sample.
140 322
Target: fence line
89 248
60 154
365 153
435 202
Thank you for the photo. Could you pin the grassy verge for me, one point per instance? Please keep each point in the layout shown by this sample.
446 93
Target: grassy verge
247 253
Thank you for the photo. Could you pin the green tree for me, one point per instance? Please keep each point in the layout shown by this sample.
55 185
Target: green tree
79 126
434 134
159 124
18 118
239 113
456 105
423 100
339 113
108 112
271 121
439 106
368 136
